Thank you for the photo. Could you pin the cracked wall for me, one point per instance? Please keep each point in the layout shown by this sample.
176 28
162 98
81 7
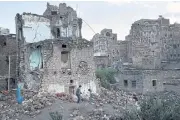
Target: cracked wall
36 28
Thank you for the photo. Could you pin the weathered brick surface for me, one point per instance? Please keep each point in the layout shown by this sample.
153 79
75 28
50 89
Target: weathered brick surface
55 65
107 49
56 75
8 46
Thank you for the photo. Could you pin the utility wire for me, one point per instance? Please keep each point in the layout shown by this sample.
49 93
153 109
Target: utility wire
89 26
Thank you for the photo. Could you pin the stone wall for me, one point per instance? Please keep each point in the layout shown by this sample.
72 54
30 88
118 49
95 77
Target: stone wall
148 77
36 28
55 74
147 37
144 80
130 76
8 46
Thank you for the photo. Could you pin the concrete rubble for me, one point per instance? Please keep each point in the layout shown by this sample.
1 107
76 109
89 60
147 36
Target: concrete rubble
97 114
32 105
117 99
35 102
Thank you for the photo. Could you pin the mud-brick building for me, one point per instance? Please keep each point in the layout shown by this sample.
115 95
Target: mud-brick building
8 48
52 55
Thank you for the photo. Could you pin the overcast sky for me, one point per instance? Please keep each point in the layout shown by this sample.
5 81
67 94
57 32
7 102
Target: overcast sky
117 16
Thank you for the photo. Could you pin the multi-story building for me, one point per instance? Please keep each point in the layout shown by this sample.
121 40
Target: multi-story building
54 58
146 39
107 49
155 52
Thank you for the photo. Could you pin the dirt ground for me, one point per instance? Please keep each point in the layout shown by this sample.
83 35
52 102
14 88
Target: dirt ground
66 109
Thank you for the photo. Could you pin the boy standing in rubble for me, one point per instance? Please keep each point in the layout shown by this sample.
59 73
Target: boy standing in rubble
78 93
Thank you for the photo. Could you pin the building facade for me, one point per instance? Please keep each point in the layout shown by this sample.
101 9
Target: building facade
146 38
154 50
107 49
153 41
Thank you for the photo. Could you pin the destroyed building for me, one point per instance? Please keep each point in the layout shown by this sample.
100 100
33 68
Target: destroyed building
8 53
53 56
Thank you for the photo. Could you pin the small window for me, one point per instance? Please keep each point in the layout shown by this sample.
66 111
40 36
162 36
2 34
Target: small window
154 83
125 83
4 43
71 81
53 12
63 46
133 84
58 33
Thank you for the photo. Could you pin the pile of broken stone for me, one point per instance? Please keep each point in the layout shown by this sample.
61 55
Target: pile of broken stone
118 99
96 114
31 106
34 102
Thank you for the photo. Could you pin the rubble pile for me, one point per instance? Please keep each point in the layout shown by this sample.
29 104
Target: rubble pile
100 114
96 114
65 97
31 106
116 98
34 102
